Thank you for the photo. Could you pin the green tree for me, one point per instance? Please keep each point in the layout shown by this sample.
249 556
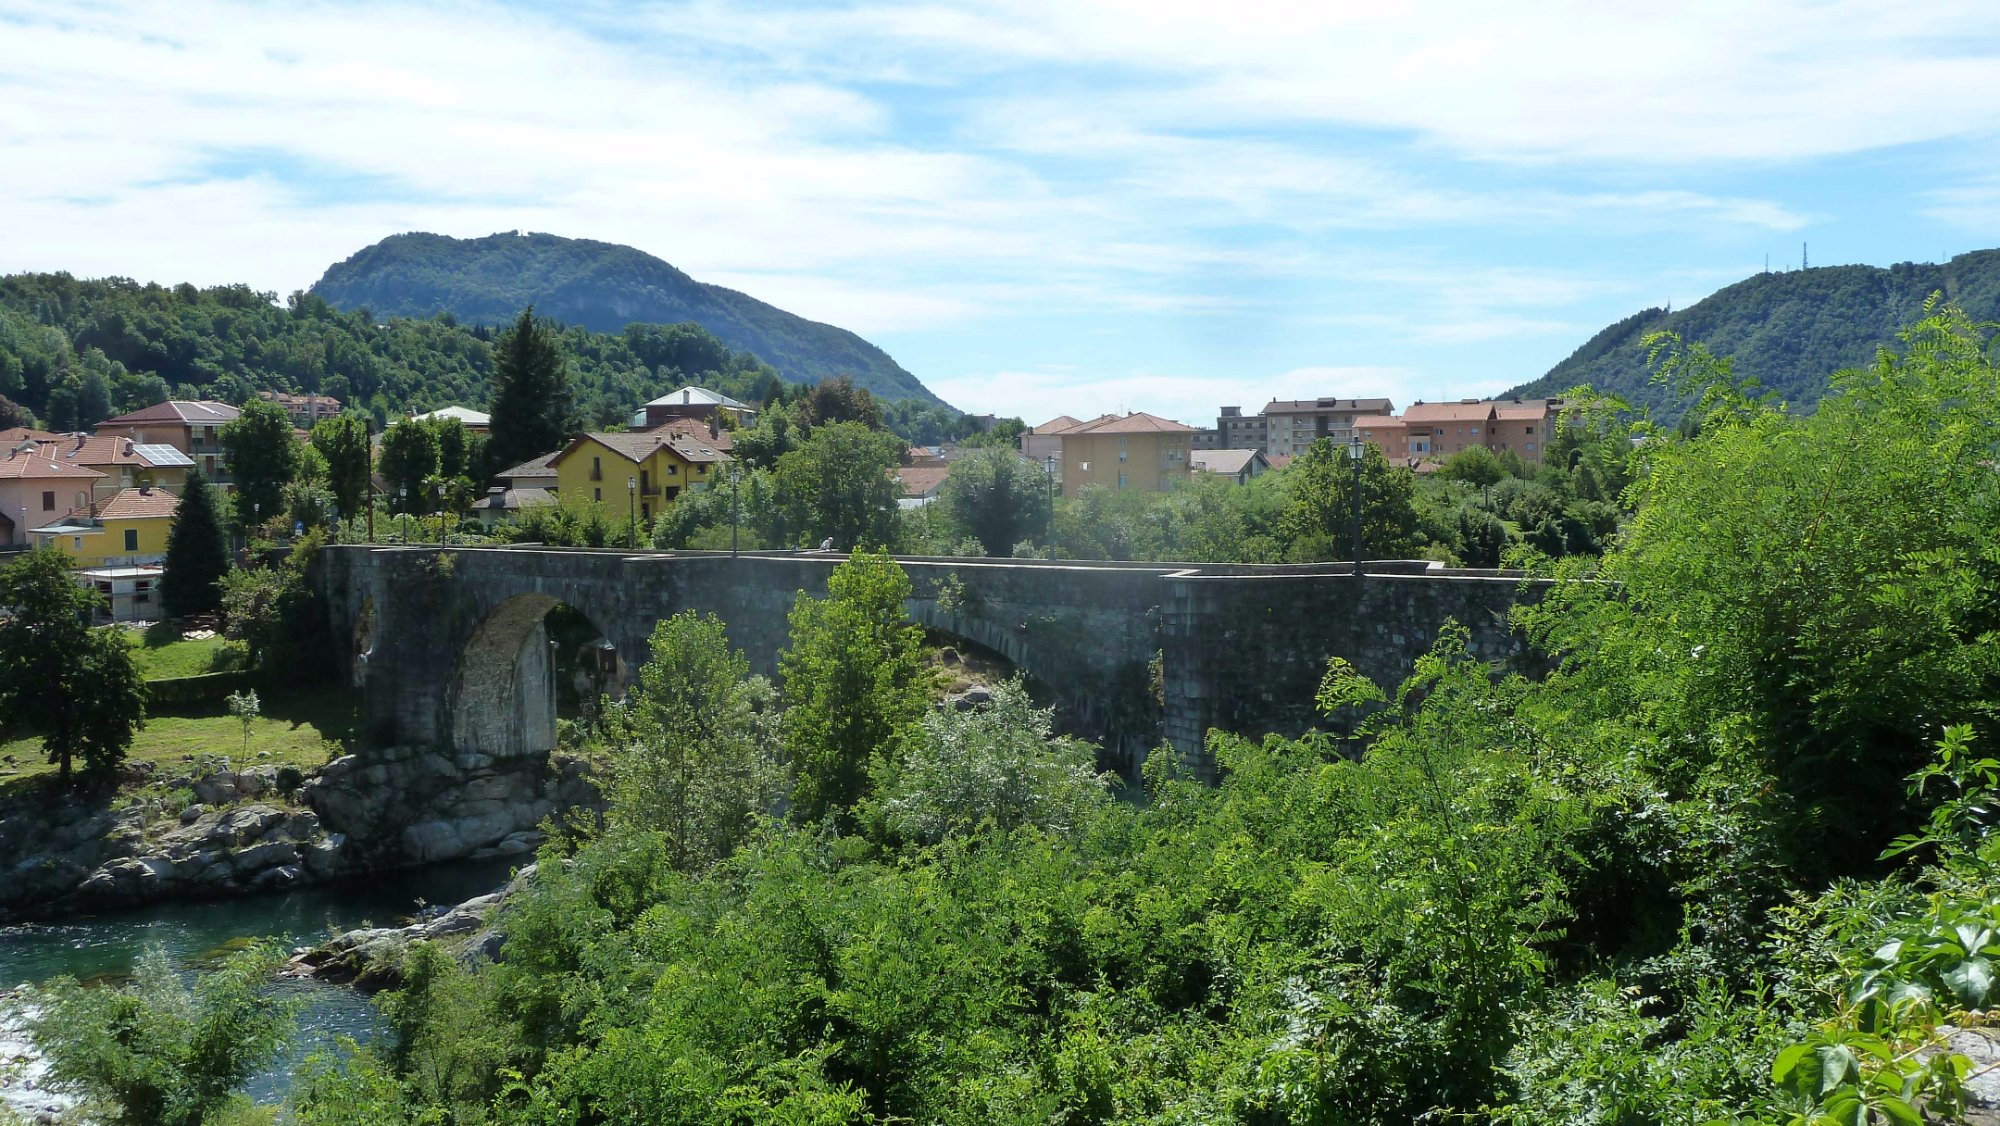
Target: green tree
853 680
197 555
1317 521
1001 764
76 685
156 1053
410 457
999 498
838 485
1474 465
689 762
343 443
836 400
533 410
263 457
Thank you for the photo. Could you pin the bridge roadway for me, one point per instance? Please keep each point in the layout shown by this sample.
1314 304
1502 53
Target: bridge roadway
1135 654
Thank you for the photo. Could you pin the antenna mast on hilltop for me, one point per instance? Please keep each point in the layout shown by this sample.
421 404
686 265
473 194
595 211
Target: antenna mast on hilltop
1804 262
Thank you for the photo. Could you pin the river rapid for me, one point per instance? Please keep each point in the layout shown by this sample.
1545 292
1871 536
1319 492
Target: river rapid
105 947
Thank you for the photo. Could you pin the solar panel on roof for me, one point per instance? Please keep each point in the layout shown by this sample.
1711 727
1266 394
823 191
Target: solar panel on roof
162 455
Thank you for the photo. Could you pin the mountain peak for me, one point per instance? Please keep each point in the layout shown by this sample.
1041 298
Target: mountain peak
600 286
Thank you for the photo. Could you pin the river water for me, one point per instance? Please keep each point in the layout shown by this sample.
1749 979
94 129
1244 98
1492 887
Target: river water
107 946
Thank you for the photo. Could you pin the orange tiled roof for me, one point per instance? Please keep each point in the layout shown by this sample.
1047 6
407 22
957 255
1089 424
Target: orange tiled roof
132 504
15 435
1138 422
638 445
1057 425
1478 411
22 464
922 480
697 429
199 412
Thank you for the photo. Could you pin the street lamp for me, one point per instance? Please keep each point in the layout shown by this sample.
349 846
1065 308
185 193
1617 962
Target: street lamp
403 517
1354 449
735 478
440 496
632 513
1049 467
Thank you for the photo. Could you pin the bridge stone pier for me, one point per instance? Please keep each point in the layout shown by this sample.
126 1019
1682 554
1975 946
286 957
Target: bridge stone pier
450 650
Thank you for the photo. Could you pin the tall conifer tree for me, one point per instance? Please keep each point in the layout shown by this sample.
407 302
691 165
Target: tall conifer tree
533 411
197 557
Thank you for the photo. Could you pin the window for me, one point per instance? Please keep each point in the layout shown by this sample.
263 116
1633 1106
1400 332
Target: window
49 502
597 494
673 470
1530 447
646 479
1121 451
1528 430
1475 431
646 511
597 470
1121 478
131 539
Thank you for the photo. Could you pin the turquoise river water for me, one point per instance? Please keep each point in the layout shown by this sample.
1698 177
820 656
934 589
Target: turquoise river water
109 945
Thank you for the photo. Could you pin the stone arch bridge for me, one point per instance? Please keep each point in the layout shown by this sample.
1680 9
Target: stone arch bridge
451 650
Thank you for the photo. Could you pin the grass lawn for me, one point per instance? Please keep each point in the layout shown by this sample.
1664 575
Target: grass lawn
162 655
295 728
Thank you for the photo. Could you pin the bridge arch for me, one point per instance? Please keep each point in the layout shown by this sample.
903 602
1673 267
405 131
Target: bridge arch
503 698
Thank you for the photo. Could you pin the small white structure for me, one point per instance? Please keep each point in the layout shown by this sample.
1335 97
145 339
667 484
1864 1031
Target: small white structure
473 420
131 592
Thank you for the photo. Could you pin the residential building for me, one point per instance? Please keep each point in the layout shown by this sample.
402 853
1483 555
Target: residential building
1524 426
534 473
36 490
1207 440
127 530
1239 466
705 431
478 422
1393 437
658 464
125 463
502 504
15 435
1133 451
920 484
305 410
1039 443
1518 425
697 403
1235 430
1293 426
194 427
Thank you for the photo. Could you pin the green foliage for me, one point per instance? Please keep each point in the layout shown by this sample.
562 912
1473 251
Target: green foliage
197 554
1474 465
838 485
263 457
1319 517
410 459
691 743
854 682
572 521
74 685
533 412
999 497
343 444
275 612
1000 765
835 400
154 1053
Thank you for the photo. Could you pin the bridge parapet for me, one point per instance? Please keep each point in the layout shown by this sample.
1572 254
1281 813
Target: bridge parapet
1134 653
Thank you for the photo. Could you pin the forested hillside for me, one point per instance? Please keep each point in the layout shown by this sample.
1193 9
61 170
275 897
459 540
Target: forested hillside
1787 330
600 286
73 352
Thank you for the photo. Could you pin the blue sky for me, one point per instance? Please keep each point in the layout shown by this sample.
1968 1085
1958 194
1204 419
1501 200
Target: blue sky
1038 208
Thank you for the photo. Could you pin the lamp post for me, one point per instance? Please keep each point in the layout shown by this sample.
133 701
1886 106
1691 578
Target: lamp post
403 517
1049 467
440 496
631 513
1354 450
735 478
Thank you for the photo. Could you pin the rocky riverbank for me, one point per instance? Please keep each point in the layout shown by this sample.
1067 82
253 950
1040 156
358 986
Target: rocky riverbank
218 832
370 958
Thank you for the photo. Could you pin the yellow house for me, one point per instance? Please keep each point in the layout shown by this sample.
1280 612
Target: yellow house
129 529
1136 451
645 469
